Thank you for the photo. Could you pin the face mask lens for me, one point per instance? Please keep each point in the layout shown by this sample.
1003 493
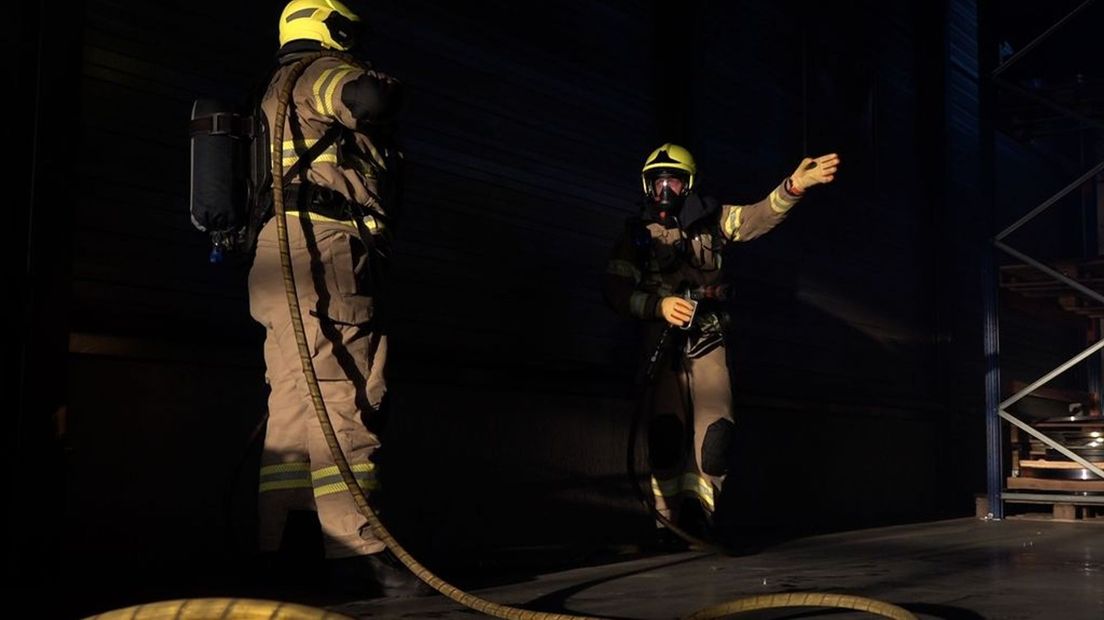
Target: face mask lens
669 185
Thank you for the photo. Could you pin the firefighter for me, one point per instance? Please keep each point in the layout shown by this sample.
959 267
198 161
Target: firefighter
339 204
666 271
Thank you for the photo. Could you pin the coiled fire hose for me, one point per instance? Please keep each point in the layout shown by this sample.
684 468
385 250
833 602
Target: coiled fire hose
209 609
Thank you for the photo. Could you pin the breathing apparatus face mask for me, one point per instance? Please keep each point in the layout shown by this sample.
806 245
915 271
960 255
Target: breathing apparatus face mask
670 191
667 193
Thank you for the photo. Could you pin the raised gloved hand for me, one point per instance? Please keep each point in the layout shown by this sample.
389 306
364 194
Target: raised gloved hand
676 310
814 171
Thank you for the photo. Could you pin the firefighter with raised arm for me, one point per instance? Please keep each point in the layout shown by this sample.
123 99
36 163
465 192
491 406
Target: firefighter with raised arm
666 270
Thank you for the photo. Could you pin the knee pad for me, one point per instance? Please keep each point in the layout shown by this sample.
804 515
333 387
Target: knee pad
718 437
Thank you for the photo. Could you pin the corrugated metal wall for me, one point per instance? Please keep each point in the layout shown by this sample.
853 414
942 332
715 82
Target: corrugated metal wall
834 352
967 216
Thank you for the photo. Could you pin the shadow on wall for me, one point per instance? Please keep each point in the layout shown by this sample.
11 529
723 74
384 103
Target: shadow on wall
837 414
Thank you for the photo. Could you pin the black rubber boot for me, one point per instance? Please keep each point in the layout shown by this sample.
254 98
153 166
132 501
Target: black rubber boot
353 577
394 579
376 575
696 521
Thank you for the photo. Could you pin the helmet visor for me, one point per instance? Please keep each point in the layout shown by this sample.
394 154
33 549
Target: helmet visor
344 31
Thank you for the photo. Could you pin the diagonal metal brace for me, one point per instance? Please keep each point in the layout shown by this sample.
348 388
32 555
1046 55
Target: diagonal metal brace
1039 39
1054 373
1049 103
1050 201
1050 442
1050 271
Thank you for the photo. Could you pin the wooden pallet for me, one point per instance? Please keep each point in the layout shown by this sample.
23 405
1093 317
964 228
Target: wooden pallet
1022 482
1063 507
1042 484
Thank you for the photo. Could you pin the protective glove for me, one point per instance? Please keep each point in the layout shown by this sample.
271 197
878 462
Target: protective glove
814 171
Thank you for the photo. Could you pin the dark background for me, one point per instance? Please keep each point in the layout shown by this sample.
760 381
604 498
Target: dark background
856 349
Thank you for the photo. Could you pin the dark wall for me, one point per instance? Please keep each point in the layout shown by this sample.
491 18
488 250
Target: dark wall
965 219
42 188
839 372
852 350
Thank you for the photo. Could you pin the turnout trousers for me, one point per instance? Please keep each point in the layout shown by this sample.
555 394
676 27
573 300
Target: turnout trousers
338 293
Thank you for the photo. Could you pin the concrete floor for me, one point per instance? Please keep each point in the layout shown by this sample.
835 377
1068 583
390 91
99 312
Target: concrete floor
952 570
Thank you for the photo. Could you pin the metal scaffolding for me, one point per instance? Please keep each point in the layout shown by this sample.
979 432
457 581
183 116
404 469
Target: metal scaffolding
997 409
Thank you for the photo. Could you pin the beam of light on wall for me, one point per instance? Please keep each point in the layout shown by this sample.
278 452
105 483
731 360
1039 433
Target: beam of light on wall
874 324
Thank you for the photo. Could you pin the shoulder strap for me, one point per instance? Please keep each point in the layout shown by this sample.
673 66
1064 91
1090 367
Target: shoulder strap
306 158
313 152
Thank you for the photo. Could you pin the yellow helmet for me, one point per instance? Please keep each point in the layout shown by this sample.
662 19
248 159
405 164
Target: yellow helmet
669 157
329 22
